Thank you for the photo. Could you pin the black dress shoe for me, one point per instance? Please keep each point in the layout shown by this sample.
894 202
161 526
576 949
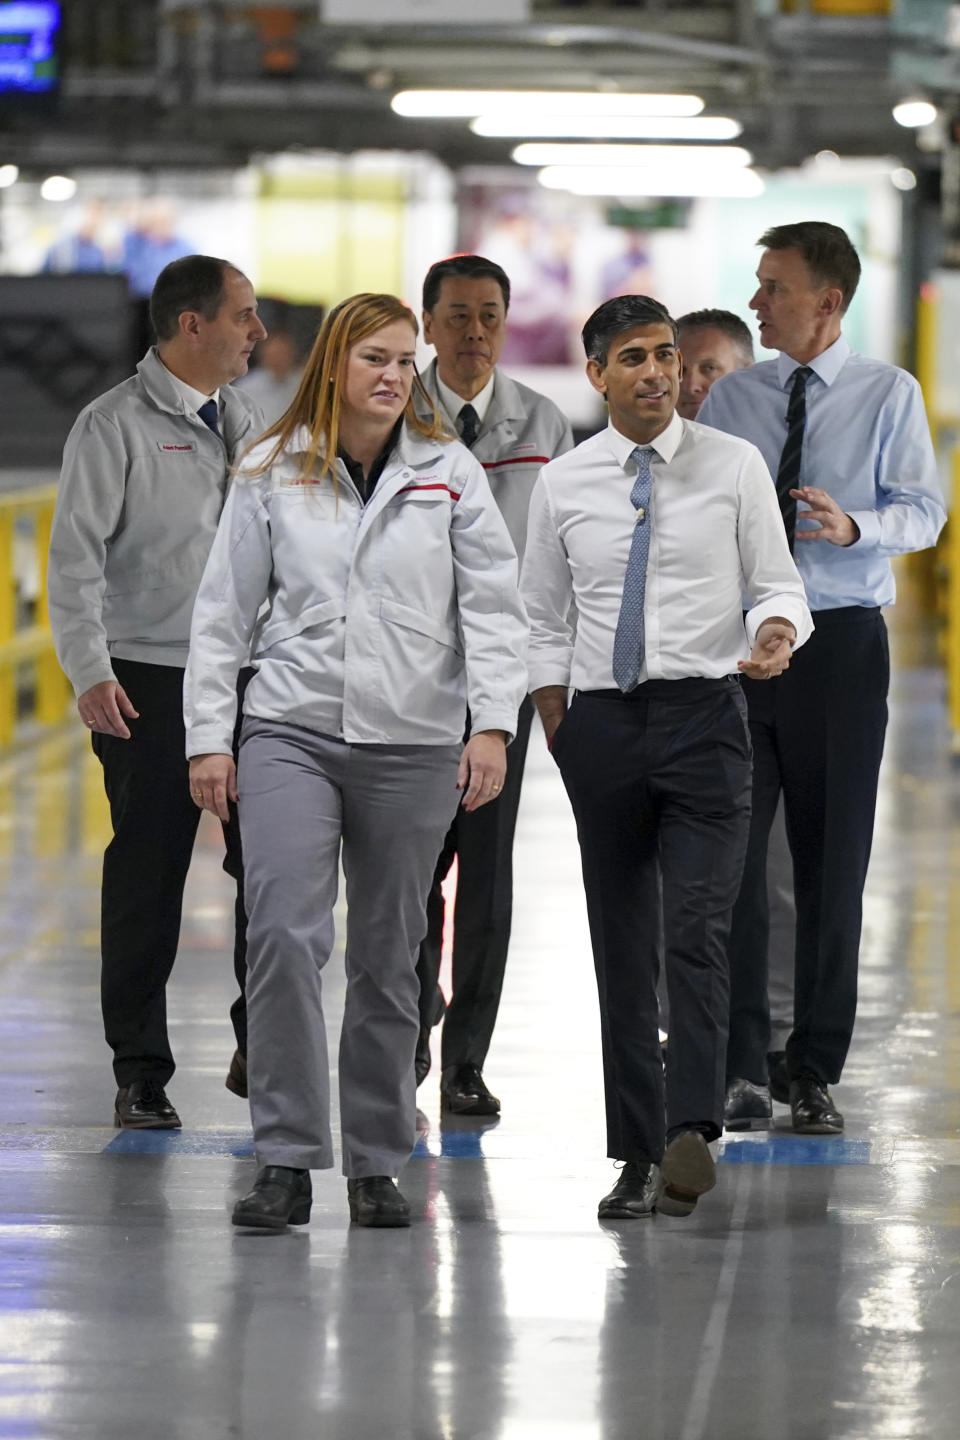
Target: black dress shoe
779 1079
812 1108
280 1197
375 1201
634 1195
747 1106
463 1092
421 1061
143 1105
687 1172
236 1080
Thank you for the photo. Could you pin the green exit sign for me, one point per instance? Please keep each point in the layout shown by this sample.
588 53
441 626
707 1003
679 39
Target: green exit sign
657 215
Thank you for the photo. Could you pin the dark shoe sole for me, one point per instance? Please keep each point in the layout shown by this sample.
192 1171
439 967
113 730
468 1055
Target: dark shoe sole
817 1127
299 1215
119 1124
469 1107
623 1212
754 1122
237 1087
371 1220
687 1173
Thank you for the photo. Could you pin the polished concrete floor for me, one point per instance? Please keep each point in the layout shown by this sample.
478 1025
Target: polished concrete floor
815 1294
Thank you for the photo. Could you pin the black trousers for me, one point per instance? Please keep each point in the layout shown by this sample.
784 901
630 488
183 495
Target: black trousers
818 733
144 871
661 774
482 843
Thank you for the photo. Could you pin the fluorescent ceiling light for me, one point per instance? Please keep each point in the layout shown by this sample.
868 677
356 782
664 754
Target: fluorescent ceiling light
681 157
903 178
9 175
58 187
469 103
607 127
913 114
636 181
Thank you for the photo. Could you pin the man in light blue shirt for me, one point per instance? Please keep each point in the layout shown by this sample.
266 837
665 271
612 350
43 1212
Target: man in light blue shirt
847 441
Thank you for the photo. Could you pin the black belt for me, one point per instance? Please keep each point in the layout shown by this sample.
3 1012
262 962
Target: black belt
691 687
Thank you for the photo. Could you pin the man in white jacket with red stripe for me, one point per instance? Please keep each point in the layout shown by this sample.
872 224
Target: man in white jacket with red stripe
512 431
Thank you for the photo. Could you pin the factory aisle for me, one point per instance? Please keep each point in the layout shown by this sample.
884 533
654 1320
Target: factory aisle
814 1295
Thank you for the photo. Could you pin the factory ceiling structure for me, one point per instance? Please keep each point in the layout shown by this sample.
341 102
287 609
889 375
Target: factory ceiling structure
213 82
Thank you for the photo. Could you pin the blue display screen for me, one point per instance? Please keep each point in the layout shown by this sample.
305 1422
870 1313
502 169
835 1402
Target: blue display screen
28 46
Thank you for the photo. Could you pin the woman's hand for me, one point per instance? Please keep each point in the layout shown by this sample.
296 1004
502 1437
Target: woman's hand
483 766
213 781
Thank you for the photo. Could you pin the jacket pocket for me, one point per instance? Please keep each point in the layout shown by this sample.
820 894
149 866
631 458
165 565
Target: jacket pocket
282 629
417 620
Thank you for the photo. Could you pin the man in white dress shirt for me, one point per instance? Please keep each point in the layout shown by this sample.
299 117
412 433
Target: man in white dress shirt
652 527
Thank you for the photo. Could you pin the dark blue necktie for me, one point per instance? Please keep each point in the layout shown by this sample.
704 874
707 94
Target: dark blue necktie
788 470
628 644
469 425
209 415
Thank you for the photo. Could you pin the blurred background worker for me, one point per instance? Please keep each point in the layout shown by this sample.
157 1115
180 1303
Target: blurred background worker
512 431
274 381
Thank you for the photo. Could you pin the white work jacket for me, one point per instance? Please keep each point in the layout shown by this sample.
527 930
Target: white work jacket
377 623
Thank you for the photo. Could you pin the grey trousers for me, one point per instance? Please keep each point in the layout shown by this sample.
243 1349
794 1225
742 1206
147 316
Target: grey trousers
303 798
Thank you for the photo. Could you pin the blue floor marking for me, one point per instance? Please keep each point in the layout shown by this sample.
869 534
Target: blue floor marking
796 1150
181 1142
462 1144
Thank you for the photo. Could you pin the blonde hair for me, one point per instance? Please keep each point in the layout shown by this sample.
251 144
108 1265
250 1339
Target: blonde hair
318 402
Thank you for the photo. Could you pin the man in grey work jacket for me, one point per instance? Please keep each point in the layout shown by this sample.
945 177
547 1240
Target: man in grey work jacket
512 431
144 478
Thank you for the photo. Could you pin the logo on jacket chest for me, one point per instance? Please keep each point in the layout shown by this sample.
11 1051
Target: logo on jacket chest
168 448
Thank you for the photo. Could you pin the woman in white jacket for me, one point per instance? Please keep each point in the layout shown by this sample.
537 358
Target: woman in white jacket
364 566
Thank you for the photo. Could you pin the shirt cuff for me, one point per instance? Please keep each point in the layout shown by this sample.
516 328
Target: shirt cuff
547 672
868 523
494 718
787 606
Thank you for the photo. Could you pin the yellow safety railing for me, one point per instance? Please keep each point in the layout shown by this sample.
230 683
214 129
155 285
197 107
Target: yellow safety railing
950 545
31 643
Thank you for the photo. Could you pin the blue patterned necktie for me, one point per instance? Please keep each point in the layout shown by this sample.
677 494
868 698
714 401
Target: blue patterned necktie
209 415
628 645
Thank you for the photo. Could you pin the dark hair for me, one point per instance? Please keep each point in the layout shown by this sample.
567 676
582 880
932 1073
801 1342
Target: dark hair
724 320
826 251
470 267
621 313
195 282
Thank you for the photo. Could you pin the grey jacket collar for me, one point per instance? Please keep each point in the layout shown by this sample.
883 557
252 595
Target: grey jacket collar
156 380
507 403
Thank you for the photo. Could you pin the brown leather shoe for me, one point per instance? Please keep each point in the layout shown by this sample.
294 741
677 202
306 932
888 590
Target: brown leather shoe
143 1105
236 1081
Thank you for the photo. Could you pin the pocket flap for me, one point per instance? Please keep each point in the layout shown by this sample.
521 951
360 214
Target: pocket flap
274 632
422 623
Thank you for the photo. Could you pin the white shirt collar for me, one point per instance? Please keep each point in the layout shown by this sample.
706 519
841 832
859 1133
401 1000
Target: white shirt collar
665 444
454 403
827 365
192 399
